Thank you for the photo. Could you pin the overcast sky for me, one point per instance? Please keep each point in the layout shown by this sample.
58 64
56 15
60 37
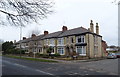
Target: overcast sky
73 14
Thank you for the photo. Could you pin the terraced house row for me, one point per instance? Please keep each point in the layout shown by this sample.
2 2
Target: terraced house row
85 42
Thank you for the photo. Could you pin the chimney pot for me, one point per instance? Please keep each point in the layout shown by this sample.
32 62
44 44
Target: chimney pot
14 41
24 38
46 32
64 28
97 28
33 35
91 26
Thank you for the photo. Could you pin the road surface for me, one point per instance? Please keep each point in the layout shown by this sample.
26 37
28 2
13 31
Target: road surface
11 66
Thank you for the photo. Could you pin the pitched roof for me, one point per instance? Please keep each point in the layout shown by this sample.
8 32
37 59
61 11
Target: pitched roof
23 41
37 37
52 35
74 31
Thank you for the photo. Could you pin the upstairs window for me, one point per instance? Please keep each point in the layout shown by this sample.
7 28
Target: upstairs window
72 40
80 39
46 42
95 39
52 41
39 43
60 41
26 44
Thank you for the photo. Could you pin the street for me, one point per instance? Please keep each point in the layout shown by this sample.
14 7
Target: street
12 66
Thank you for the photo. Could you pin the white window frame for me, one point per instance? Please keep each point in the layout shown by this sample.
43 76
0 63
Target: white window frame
52 42
46 41
60 41
82 37
62 50
83 50
71 39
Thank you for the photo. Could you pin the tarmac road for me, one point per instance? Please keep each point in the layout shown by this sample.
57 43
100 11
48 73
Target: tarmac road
12 66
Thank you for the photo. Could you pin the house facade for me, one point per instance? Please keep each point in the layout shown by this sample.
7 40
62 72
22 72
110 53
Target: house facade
82 41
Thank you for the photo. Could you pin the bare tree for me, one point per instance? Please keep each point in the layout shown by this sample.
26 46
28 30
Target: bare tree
22 12
116 2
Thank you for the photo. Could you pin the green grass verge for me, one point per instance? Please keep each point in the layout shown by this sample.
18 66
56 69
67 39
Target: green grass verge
32 59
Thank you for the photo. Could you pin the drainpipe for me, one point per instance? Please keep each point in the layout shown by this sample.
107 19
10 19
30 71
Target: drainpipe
88 48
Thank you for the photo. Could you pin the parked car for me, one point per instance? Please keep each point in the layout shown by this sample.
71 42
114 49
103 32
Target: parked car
118 55
111 55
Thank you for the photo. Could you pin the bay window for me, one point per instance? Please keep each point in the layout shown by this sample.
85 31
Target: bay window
81 50
61 50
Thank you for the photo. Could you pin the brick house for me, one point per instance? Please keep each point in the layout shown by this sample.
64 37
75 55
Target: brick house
82 41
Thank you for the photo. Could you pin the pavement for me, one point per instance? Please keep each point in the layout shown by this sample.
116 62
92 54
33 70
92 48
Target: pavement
70 61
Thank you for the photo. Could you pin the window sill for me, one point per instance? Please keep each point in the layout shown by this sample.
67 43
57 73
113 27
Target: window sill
82 54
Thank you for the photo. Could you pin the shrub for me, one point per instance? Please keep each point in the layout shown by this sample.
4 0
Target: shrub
56 55
45 55
39 55
30 54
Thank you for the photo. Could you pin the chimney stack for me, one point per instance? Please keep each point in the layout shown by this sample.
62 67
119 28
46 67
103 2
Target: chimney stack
24 38
46 32
33 35
64 28
91 26
14 41
97 29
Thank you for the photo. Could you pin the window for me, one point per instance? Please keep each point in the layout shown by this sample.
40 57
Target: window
26 44
46 42
72 40
52 41
80 39
60 41
95 50
81 50
40 42
95 39
61 50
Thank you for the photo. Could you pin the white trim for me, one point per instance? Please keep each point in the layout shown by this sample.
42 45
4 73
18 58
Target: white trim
60 51
61 43
82 50
81 36
51 45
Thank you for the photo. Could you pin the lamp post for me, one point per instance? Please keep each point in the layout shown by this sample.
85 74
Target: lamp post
20 39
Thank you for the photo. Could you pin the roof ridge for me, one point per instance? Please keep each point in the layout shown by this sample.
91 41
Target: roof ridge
78 27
